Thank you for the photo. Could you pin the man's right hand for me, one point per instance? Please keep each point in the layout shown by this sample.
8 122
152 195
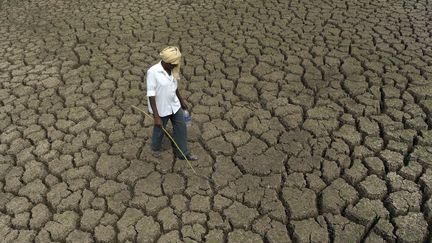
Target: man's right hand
157 121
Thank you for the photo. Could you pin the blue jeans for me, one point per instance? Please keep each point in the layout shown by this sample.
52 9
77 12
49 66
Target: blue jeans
179 133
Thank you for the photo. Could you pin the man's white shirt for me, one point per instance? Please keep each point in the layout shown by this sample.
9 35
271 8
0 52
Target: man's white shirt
163 87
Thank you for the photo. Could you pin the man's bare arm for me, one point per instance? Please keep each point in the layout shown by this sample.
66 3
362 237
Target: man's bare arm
157 119
182 102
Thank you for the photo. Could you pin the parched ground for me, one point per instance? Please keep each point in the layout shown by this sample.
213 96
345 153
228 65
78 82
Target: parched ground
312 121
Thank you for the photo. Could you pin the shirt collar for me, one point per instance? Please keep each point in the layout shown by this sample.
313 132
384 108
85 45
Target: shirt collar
159 67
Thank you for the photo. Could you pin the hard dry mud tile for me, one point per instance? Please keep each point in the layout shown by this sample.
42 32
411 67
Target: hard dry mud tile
20 221
338 195
304 164
110 166
127 222
344 230
214 236
271 161
411 227
195 232
240 216
79 236
366 211
105 233
225 171
216 221
310 230
218 146
200 203
301 202
356 173
90 219
373 187
61 225
412 171
26 236
402 202
426 181
240 235
374 238
34 190
423 155
375 165
278 233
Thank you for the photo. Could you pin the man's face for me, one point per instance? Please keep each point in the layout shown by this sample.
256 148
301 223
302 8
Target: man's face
171 66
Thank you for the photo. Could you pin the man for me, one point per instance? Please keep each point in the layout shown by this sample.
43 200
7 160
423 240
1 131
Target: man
166 103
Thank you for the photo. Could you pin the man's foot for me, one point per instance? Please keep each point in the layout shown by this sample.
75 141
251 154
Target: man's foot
190 157
156 154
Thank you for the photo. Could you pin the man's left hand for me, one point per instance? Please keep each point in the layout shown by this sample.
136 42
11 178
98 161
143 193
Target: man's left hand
184 107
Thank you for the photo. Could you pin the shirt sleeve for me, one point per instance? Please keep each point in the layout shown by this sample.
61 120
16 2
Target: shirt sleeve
151 84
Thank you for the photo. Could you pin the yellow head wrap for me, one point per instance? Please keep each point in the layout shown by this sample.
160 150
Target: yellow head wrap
171 54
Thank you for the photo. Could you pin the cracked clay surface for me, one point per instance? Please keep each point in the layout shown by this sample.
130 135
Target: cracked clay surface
312 121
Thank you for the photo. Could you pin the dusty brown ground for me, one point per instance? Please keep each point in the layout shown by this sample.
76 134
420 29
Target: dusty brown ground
312 120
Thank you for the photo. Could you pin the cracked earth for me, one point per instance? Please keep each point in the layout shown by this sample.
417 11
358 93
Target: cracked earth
312 121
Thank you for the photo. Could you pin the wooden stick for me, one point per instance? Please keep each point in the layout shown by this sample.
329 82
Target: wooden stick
169 137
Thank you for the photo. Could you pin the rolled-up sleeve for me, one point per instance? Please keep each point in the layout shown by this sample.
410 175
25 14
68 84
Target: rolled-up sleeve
151 84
